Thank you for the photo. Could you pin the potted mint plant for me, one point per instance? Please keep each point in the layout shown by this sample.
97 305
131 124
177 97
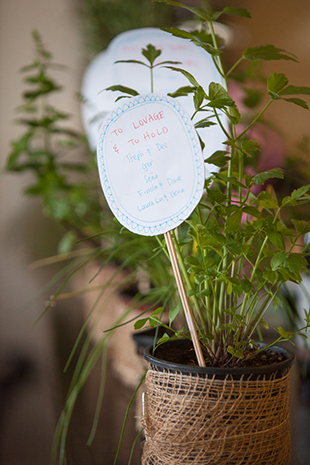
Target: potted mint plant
235 252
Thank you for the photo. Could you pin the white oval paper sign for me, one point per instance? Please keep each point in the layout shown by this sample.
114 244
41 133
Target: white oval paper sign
150 164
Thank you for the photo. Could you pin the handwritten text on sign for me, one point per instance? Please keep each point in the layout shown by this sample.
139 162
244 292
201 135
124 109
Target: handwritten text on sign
150 164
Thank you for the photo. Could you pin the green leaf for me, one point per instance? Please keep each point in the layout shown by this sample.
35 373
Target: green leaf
297 101
67 241
204 123
229 287
267 52
288 232
140 323
168 62
239 318
185 73
297 193
175 31
199 96
202 13
163 339
275 237
251 211
261 178
201 142
137 62
182 92
242 12
270 275
233 222
295 90
235 116
124 89
218 158
154 321
204 293
158 311
250 147
276 82
278 260
151 53
219 96
228 179
285 334
296 262
216 196
208 48
192 261
221 103
235 352
233 247
276 303
191 292
307 317
19 146
121 97
173 313
302 227
199 38
287 201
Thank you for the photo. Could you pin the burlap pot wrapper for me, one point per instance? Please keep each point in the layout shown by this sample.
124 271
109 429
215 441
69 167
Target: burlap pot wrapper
202 420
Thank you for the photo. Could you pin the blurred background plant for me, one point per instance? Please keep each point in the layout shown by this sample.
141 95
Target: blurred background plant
102 20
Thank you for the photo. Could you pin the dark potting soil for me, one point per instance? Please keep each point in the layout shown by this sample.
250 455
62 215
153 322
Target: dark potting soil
184 354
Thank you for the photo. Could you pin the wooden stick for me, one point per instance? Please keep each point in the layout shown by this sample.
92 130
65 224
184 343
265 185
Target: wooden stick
184 300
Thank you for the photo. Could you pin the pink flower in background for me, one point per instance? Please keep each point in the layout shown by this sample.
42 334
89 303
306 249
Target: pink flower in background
237 93
272 146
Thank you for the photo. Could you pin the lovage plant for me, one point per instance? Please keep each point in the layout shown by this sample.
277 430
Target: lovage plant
236 250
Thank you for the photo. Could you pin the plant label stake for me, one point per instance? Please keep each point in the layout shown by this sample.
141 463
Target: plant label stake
152 173
184 300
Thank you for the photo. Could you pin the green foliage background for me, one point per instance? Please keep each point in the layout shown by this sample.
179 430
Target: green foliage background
102 20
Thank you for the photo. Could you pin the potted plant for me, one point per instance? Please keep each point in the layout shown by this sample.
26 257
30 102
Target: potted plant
214 394
234 252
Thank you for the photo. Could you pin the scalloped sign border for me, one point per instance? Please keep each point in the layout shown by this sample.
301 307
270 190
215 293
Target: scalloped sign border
150 164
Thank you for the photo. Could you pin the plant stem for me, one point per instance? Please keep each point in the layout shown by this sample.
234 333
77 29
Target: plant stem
152 79
221 125
259 315
255 119
234 66
217 61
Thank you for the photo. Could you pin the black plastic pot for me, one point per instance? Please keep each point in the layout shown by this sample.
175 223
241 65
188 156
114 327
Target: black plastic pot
276 370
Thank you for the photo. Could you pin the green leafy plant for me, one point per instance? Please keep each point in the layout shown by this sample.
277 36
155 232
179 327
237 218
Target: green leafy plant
236 250
58 157
102 20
